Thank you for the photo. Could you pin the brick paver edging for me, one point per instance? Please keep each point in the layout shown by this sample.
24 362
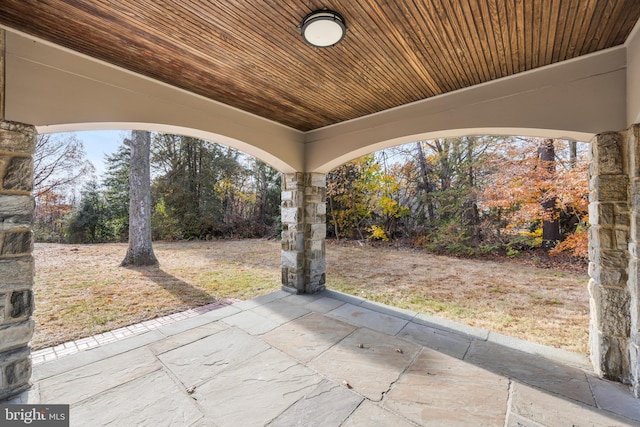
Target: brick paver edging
71 347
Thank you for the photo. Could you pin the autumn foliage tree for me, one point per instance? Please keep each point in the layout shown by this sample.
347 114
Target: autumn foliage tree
349 198
362 201
438 183
529 189
466 195
51 211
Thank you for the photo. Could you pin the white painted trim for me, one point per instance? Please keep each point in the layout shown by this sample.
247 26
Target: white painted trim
632 45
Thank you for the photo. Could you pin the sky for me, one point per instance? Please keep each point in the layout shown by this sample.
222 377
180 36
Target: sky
99 143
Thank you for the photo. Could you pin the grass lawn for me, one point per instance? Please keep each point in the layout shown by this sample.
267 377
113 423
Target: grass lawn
81 290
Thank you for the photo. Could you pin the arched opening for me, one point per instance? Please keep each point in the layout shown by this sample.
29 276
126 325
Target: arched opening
251 149
342 151
613 261
478 200
84 297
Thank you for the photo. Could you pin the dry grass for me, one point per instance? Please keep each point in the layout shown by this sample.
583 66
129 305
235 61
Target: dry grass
80 290
543 305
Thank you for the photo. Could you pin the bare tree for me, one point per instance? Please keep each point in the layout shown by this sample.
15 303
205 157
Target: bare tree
140 251
59 161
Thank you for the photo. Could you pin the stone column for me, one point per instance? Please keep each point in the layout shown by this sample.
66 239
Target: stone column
614 213
608 256
303 232
633 144
17 145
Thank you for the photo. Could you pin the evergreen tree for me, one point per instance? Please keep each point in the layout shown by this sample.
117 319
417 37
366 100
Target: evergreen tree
86 224
116 192
198 184
266 210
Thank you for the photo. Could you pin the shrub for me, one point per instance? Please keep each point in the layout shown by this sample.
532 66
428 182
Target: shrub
576 244
377 233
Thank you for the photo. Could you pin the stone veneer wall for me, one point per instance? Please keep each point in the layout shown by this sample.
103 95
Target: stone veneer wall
633 144
614 268
17 145
303 232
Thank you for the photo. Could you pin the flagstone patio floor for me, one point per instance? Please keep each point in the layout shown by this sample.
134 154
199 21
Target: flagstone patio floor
325 360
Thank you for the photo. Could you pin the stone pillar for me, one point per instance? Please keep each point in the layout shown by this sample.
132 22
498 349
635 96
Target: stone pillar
303 232
633 145
614 213
3 48
17 145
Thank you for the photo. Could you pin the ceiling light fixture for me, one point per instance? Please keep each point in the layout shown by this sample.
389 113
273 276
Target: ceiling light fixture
323 28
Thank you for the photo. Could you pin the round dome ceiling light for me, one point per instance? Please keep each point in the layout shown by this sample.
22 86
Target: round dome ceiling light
323 28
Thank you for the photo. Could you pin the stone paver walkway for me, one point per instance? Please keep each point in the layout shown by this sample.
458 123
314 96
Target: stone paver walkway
327 360
71 347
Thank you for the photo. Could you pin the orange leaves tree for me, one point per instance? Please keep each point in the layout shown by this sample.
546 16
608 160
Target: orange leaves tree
51 211
466 195
537 185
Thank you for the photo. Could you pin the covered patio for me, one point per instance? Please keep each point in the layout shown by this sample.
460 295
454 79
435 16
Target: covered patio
239 73
328 359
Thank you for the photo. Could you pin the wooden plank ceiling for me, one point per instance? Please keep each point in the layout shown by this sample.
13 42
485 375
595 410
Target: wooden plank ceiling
249 53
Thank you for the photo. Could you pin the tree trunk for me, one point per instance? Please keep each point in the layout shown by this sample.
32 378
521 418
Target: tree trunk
424 184
140 251
333 217
551 222
573 153
471 214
